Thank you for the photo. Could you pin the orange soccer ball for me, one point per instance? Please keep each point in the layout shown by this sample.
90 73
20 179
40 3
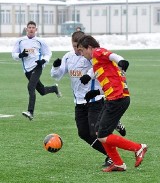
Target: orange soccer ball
53 143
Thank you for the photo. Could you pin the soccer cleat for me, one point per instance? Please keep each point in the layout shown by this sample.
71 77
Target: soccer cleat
108 162
58 93
121 129
114 167
28 115
140 154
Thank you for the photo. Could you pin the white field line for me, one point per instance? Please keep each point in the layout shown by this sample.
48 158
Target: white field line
5 116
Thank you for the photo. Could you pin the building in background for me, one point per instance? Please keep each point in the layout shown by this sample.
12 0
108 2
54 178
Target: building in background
97 17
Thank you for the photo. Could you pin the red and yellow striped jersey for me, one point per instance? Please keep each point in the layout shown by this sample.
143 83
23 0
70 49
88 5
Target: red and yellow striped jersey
111 78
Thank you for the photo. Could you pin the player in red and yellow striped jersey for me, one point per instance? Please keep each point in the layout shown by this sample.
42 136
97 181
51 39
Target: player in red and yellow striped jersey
114 87
109 69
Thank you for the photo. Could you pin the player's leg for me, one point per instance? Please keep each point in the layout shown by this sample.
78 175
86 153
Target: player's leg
121 129
86 131
81 118
114 110
44 90
110 116
33 78
95 110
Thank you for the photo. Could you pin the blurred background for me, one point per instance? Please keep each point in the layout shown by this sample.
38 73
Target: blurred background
95 17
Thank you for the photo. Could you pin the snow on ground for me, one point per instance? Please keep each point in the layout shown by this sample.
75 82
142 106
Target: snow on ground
111 42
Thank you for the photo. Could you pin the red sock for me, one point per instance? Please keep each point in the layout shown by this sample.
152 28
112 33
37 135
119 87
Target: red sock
113 154
120 142
114 141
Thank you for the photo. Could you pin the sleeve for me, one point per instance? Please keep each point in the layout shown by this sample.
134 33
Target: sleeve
16 51
46 52
114 57
101 91
58 72
91 73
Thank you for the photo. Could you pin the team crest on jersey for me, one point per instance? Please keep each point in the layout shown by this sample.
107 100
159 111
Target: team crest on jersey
105 53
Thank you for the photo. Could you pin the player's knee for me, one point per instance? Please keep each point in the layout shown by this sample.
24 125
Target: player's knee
93 134
86 136
30 87
83 135
102 140
42 93
31 90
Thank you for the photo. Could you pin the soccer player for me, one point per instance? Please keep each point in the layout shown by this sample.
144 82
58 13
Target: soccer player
85 114
34 54
110 71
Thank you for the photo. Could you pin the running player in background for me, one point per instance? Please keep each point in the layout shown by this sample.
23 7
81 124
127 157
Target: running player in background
34 54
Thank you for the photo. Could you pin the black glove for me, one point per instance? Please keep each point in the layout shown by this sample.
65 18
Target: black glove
123 64
91 94
23 54
40 62
85 79
57 62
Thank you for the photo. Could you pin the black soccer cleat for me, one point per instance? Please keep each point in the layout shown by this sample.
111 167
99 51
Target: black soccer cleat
108 162
121 129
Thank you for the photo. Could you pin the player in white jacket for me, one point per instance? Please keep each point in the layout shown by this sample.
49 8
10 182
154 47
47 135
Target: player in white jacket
86 114
34 54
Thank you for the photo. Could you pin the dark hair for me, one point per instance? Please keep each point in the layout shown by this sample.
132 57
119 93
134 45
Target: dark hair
31 23
86 41
77 35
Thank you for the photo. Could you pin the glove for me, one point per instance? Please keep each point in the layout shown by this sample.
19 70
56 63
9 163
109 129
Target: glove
40 62
91 94
57 62
23 54
123 64
85 79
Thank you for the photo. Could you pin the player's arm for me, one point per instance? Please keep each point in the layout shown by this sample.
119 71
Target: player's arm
16 52
46 52
93 93
88 76
122 63
59 68
91 73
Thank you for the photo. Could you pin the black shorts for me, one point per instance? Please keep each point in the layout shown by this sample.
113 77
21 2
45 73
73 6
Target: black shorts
86 116
111 113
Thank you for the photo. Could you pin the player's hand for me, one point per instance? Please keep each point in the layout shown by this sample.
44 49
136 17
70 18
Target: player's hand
40 62
123 64
91 94
23 54
85 79
57 62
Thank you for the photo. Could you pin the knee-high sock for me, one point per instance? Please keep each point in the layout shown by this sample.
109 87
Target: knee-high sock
113 154
123 143
114 141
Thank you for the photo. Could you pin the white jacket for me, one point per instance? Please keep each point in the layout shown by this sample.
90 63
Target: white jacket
37 50
76 66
